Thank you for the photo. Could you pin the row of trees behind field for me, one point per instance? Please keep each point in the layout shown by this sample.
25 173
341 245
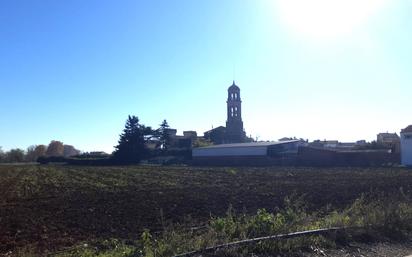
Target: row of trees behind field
132 148
133 142
32 153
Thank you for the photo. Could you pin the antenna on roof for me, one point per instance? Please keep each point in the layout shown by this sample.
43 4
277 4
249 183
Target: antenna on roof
234 72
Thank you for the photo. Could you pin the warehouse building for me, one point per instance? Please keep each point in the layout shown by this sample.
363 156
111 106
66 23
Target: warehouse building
247 154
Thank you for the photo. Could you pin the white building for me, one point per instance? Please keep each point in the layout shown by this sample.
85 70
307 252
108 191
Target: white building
246 149
406 146
245 153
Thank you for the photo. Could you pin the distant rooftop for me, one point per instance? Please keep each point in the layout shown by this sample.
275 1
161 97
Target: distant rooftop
217 128
388 135
407 129
252 144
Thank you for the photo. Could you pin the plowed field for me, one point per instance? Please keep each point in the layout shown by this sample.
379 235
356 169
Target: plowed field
57 206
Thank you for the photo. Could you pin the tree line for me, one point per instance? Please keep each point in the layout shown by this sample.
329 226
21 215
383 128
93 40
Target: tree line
32 153
133 144
132 148
134 140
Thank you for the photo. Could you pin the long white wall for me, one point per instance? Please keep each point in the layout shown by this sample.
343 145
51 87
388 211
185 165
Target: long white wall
406 148
230 151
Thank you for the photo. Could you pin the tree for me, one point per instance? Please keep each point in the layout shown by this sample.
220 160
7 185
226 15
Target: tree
132 143
2 155
69 150
35 151
163 135
40 150
55 148
15 155
30 155
201 142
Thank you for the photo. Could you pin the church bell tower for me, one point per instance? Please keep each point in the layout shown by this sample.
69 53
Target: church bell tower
234 123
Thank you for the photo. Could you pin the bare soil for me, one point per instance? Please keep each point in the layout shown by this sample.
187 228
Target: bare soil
57 206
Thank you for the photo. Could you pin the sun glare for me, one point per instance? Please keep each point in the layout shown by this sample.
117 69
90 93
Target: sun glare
327 20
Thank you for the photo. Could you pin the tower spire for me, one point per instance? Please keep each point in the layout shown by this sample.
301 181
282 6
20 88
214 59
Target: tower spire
234 72
234 123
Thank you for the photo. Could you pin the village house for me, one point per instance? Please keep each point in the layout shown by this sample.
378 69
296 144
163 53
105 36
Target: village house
406 146
390 141
181 141
176 141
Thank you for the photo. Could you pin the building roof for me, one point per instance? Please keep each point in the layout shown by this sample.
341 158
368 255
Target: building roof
217 128
252 144
233 86
407 129
388 135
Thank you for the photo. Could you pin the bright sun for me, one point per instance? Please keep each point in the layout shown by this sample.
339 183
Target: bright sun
327 20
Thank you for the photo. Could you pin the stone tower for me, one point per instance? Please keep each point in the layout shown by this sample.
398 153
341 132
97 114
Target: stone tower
234 123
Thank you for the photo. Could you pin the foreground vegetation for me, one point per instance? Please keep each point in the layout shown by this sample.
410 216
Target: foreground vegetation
161 211
366 219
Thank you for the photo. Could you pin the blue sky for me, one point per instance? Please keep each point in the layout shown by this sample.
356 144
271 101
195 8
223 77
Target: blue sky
321 69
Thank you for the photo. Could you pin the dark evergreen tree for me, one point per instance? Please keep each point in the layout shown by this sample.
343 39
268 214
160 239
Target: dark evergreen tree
2 155
164 135
132 143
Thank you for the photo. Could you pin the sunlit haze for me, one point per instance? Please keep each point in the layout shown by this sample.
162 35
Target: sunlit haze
326 20
322 69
